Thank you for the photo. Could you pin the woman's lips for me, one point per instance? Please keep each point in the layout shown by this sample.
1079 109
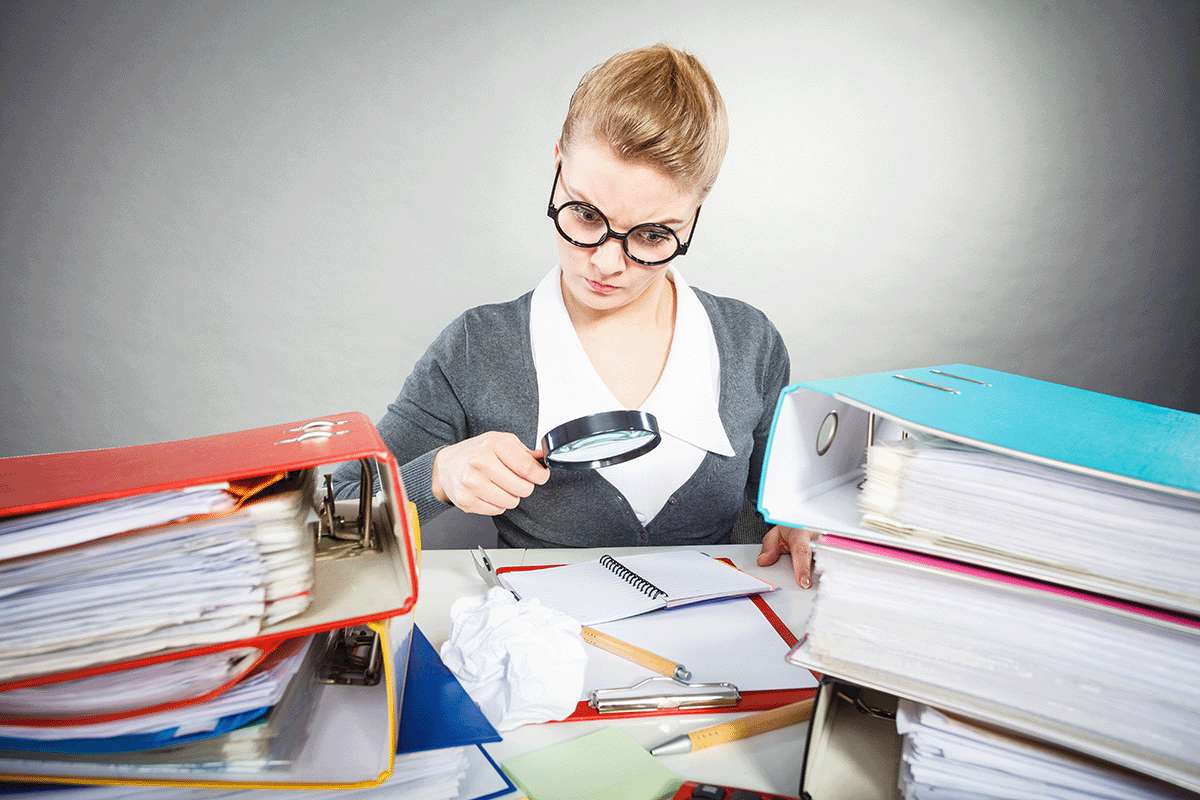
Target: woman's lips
600 288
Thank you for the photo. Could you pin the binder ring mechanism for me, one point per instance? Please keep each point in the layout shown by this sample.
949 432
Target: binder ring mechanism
351 657
318 429
853 695
338 537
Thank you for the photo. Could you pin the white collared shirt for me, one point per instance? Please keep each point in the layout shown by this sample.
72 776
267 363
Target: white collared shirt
685 399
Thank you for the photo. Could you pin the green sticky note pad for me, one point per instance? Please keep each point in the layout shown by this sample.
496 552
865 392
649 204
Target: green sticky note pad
599 766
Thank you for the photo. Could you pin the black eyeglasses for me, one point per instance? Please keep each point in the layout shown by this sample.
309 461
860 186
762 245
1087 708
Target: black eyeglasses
583 225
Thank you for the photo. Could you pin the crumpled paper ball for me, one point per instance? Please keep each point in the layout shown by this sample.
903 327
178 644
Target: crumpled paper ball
519 660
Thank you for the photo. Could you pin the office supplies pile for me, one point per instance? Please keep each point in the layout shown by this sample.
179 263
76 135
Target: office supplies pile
1017 553
180 614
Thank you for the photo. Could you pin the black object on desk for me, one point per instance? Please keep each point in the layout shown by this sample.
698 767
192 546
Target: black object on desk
690 790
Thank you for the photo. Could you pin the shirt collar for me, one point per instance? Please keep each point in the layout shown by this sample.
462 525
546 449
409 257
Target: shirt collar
686 400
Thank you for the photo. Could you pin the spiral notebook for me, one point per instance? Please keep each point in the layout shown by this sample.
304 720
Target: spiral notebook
612 588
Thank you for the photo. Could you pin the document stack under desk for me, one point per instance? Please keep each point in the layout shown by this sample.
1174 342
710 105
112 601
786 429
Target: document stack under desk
1015 556
192 614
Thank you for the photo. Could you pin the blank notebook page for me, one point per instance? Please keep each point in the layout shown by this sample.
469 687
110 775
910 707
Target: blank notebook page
688 576
588 592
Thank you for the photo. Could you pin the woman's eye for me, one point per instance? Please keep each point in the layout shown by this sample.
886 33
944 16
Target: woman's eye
652 237
585 214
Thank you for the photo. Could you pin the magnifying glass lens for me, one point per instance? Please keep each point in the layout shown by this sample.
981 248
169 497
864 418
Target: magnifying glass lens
601 446
601 440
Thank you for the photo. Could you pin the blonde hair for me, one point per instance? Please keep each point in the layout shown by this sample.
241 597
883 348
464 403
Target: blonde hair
657 106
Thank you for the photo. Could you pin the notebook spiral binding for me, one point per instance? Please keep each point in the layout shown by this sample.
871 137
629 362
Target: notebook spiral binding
632 578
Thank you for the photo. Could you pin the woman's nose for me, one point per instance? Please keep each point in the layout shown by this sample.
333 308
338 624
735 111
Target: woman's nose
609 258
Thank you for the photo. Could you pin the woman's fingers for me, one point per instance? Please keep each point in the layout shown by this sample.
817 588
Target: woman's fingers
487 474
794 541
772 548
801 549
522 462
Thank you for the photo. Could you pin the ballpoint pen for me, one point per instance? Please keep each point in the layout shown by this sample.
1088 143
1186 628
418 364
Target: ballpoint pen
737 729
631 652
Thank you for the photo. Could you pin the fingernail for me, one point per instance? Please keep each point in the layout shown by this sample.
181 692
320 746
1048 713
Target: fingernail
805 582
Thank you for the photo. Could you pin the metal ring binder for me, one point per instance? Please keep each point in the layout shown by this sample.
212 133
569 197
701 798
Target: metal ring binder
335 529
352 657
851 694
827 432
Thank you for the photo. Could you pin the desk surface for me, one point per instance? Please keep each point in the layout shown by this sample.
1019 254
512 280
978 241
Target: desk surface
768 762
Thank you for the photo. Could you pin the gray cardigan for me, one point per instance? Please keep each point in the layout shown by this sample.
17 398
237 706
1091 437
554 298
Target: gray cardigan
479 376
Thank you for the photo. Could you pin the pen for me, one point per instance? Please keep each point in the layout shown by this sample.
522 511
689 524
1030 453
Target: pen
631 652
737 729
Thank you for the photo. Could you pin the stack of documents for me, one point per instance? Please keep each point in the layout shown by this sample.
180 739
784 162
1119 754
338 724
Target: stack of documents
947 757
92 584
157 604
244 728
1113 679
115 694
1019 553
1015 514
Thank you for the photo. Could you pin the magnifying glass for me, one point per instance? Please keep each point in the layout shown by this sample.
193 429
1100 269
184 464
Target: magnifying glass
601 440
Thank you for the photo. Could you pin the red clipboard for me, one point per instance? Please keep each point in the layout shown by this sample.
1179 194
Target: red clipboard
751 700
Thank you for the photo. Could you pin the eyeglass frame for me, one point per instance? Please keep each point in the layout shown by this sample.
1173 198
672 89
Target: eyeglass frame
681 247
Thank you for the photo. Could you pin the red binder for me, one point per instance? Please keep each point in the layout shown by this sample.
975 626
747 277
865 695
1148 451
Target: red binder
377 583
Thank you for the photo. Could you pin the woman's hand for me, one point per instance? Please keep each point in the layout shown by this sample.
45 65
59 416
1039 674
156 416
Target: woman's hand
797 542
487 474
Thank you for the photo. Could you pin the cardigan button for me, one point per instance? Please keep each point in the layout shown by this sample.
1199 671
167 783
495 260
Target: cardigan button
673 500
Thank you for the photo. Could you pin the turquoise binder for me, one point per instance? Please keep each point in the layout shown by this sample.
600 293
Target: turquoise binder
810 477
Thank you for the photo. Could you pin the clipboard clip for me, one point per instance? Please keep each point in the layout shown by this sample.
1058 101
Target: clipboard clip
352 657
341 538
661 693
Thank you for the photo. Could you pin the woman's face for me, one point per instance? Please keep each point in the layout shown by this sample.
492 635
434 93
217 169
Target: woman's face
603 278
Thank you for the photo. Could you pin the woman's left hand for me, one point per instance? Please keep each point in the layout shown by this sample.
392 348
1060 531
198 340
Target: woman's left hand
795 541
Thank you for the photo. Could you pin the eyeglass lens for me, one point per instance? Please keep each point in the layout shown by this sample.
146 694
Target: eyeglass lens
588 228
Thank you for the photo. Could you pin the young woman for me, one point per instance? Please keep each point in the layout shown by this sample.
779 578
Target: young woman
612 325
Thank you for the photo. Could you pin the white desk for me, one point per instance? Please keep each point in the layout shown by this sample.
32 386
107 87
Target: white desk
768 762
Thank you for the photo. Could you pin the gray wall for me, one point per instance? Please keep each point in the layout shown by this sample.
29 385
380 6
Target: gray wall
219 215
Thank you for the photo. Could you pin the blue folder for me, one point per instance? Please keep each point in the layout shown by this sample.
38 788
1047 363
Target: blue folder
1073 428
818 438
437 711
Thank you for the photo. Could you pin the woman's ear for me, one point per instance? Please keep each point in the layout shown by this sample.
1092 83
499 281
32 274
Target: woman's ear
557 152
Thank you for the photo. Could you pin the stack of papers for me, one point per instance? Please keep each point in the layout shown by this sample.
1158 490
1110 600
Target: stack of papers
1109 678
138 739
945 757
91 584
1017 515
39 533
128 691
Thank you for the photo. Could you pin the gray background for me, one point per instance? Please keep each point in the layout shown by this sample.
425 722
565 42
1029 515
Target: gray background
218 215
